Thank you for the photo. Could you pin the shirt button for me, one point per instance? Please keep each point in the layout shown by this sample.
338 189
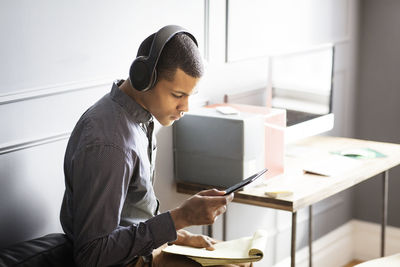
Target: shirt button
142 229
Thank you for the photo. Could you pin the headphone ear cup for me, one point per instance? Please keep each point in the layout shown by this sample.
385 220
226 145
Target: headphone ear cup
140 74
153 79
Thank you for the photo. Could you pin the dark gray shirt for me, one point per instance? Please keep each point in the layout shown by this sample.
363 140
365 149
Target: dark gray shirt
109 210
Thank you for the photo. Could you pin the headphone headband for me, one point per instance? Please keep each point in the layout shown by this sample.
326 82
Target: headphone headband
142 73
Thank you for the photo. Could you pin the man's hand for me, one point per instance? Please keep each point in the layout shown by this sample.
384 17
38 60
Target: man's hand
201 209
186 238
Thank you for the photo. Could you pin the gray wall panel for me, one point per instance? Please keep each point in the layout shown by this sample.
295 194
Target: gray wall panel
44 116
31 190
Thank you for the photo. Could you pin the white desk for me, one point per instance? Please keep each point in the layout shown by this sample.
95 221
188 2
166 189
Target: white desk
314 188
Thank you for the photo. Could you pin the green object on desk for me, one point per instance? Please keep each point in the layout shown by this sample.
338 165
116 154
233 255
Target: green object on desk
360 153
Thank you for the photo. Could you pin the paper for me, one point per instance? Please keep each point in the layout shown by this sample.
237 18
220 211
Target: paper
331 166
247 249
226 110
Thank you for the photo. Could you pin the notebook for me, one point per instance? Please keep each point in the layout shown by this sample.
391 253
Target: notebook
246 249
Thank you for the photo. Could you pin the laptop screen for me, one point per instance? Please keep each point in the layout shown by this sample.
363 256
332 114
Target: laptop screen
303 81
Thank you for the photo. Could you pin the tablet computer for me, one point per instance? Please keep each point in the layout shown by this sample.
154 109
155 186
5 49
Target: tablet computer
244 182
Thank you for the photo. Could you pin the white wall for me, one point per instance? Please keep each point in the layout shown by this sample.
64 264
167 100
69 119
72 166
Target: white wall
58 58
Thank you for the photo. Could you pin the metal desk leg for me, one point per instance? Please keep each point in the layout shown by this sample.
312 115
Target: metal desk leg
293 243
310 236
210 230
224 226
385 181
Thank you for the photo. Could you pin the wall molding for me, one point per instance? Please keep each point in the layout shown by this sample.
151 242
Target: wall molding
332 250
227 31
207 30
39 92
16 146
353 240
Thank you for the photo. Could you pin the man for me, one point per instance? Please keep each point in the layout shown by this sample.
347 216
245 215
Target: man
109 210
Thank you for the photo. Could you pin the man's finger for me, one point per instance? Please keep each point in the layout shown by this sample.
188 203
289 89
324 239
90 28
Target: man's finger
219 211
203 242
213 241
229 197
208 244
216 201
211 192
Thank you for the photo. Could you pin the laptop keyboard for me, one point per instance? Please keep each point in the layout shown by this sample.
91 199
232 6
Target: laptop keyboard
294 117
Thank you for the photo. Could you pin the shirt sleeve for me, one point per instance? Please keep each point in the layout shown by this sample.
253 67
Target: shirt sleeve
100 178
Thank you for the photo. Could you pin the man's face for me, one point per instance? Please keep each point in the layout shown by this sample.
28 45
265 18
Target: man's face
168 100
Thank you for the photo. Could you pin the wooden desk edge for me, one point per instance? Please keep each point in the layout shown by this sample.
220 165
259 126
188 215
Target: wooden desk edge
240 197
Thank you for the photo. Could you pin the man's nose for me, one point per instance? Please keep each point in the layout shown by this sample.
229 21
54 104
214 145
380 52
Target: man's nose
184 105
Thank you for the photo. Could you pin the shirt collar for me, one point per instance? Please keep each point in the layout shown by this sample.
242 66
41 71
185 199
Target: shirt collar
137 112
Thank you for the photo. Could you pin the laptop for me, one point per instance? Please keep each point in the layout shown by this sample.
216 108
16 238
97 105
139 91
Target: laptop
302 83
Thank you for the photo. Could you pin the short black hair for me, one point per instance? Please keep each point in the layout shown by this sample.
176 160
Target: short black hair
179 52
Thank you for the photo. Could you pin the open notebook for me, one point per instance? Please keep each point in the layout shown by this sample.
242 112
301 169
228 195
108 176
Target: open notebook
246 249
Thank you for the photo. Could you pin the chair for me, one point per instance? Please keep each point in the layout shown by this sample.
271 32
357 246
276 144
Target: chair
47 251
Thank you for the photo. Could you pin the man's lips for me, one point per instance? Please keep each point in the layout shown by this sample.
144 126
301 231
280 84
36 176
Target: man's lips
175 118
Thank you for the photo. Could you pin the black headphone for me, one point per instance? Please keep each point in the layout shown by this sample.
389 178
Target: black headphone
143 74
